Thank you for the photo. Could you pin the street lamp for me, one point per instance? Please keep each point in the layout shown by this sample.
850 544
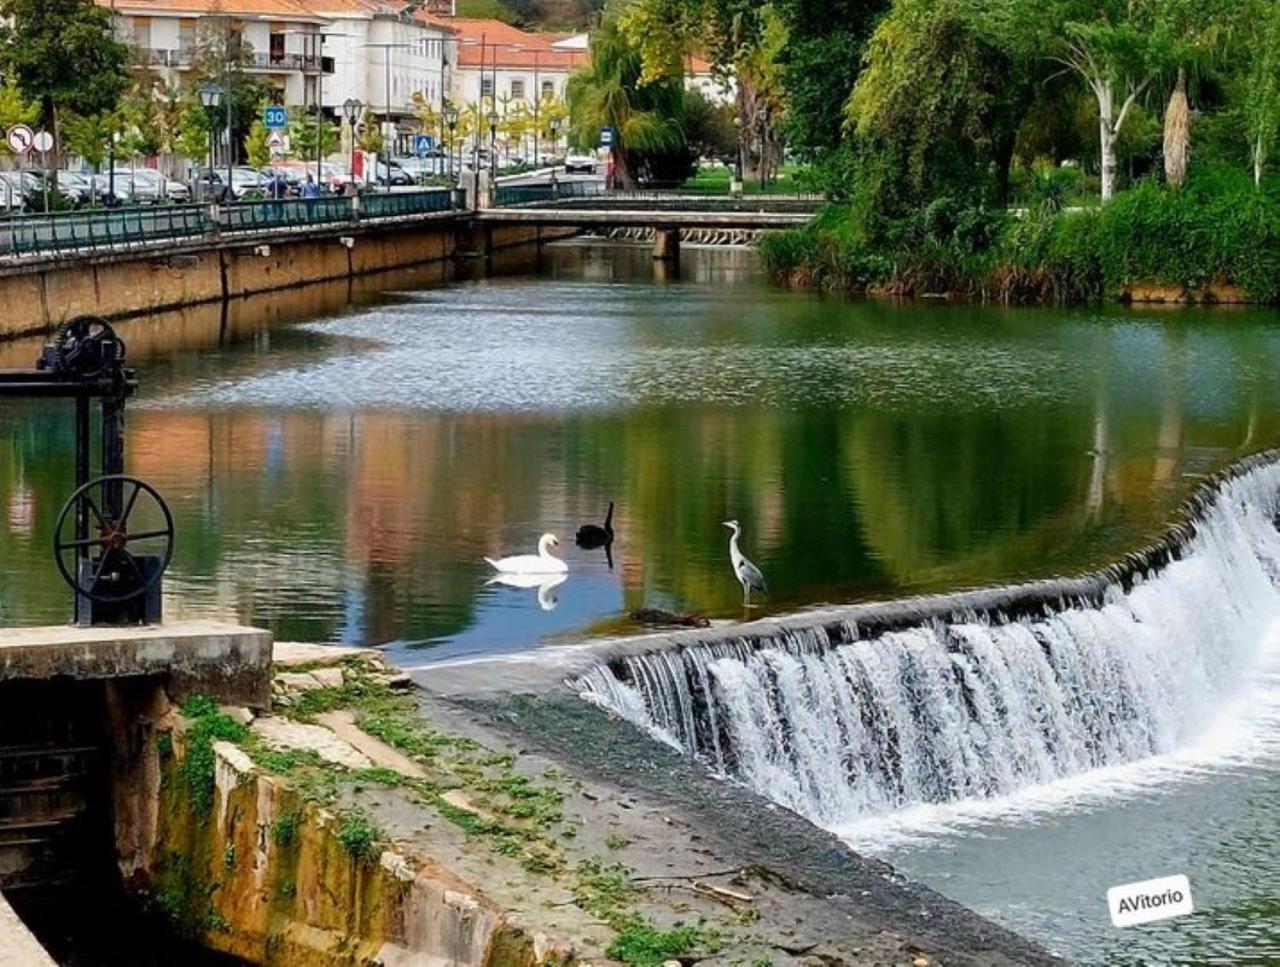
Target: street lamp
493 145
555 135
351 109
386 49
210 98
451 122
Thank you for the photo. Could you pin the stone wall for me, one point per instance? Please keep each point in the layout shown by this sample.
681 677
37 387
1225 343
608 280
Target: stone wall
38 295
262 874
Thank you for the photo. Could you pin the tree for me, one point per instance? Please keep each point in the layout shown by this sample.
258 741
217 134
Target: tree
1262 85
936 110
304 135
15 108
221 57
818 67
256 149
91 136
610 92
63 53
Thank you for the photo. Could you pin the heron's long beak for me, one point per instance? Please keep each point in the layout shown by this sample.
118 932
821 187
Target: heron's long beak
728 524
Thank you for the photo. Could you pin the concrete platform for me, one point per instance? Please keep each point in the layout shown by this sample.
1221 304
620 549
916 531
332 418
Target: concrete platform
227 662
17 947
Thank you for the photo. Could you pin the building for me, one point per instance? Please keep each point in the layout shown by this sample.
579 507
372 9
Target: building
276 39
379 52
499 61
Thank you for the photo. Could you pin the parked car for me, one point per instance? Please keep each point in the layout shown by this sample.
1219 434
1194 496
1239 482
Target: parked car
392 174
209 186
20 189
247 182
146 186
581 163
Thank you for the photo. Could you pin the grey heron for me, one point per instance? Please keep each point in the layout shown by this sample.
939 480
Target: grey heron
748 574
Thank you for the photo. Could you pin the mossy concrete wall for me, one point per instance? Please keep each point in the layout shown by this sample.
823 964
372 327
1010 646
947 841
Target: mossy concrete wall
263 875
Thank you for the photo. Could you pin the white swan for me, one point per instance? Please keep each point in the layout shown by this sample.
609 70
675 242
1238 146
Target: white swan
545 584
544 562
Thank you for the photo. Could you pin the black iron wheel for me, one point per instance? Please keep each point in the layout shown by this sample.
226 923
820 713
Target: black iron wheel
115 551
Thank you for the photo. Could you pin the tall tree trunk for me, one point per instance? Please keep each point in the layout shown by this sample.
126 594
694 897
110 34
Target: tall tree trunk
1106 138
1177 133
1258 154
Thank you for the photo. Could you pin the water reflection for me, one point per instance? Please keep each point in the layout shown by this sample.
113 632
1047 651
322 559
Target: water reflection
342 479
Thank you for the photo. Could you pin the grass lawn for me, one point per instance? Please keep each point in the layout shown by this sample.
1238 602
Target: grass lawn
716 180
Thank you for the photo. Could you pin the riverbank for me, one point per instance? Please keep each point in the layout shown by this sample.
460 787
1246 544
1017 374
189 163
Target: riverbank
1213 242
365 821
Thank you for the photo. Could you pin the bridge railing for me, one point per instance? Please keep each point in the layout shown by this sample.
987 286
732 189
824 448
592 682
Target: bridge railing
122 228
592 194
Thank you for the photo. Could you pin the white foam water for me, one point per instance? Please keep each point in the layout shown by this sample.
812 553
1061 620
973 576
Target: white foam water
965 721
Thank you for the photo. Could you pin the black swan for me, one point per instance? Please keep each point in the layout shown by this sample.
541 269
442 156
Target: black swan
591 536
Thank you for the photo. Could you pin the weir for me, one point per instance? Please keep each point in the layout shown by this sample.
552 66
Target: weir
863 711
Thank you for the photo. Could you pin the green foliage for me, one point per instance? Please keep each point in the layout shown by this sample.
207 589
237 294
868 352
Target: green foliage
1217 230
206 725
611 92
64 54
256 150
644 945
284 831
15 108
820 63
304 133
359 838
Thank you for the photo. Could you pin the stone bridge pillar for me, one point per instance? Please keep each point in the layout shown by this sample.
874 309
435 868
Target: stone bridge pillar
666 244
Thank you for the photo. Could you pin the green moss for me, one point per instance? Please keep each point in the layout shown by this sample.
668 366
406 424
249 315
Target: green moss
359 838
284 831
229 857
206 725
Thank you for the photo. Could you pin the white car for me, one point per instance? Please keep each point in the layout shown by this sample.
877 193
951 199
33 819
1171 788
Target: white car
583 163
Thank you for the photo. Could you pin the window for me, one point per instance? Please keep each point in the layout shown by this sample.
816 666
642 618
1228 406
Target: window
548 89
277 48
142 32
486 87
517 90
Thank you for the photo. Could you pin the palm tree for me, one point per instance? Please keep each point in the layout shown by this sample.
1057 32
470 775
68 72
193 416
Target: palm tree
608 94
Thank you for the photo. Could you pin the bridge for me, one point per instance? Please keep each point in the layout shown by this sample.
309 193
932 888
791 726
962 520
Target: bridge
586 205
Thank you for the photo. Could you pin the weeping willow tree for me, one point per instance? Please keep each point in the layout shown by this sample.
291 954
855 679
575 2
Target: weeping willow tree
612 92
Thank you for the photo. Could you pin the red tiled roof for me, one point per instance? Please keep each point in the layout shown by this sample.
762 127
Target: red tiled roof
251 9
494 43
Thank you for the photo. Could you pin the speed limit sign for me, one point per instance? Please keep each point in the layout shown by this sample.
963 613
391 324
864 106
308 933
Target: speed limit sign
20 138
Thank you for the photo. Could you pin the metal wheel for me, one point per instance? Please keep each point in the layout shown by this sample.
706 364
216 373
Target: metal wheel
117 546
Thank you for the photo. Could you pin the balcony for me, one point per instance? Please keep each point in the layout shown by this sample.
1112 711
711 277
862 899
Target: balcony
184 58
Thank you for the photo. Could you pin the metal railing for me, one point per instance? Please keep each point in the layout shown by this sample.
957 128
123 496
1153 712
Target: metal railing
130 227
238 216
549 193
401 203
592 194
32 234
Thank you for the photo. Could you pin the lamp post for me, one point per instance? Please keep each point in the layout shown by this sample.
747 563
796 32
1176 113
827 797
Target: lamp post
386 49
451 122
493 145
210 98
555 134
351 109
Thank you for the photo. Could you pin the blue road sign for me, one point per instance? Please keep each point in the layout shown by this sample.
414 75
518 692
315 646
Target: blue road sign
422 143
275 117
606 137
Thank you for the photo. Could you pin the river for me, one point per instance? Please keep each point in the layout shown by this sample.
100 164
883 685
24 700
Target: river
340 463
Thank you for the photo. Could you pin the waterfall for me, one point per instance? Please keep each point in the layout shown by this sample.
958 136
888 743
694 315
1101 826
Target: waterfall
849 719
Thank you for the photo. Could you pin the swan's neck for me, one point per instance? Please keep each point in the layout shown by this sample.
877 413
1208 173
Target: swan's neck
544 548
608 518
